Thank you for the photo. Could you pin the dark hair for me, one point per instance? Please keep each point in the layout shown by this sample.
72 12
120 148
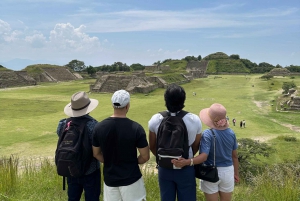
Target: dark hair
174 98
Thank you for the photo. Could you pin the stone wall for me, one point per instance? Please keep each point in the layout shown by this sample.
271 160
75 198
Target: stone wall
131 83
197 69
157 68
60 74
279 72
15 78
295 103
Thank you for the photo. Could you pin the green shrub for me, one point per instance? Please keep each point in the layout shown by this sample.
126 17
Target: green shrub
287 138
249 151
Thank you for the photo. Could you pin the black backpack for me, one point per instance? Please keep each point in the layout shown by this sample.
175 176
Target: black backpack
74 153
172 139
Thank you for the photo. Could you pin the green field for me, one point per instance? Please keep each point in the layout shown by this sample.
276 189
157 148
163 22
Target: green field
29 117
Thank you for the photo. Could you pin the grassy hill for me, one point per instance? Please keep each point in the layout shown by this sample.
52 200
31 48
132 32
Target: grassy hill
222 63
176 65
37 68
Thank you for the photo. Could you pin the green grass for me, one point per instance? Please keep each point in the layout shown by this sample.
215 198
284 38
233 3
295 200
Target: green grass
39 181
29 116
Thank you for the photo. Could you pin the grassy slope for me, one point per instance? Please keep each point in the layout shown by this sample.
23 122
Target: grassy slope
30 115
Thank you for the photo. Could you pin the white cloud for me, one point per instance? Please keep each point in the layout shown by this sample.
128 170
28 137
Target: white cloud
66 36
36 40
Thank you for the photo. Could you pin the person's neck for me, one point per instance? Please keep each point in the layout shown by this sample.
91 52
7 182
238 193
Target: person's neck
119 115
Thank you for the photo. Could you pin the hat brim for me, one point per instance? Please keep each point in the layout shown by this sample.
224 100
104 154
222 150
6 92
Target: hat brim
78 113
204 117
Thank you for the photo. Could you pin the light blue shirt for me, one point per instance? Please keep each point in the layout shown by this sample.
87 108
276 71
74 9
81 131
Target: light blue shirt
225 144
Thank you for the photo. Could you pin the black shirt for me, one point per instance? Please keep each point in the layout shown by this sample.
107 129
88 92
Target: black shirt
119 139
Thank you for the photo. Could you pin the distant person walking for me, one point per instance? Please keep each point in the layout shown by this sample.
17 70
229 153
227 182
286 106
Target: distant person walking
241 124
244 123
233 121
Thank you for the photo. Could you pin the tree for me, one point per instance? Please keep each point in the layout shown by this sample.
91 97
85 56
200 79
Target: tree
90 70
137 66
199 58
76 65
249 153
190 58
157 63
286 86
266 76
293 68
234 56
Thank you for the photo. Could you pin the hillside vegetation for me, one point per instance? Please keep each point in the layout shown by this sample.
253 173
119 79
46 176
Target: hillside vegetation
2 68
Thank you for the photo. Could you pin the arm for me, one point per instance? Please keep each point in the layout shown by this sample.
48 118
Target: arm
97 153
195 145
152 142
144 155
181 162
235 165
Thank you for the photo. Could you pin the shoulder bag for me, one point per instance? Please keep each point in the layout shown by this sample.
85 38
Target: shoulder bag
208 172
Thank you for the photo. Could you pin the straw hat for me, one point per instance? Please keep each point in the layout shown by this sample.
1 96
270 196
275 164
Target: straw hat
80 105
214 116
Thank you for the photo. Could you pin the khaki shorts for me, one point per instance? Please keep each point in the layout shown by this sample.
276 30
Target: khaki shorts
225 184
132 192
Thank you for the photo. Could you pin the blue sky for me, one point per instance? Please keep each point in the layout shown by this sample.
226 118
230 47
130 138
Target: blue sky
143 31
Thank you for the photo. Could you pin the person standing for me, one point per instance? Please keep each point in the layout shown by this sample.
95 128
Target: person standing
116 140
225 153
176 182
244 123
233 121
241 124
78 110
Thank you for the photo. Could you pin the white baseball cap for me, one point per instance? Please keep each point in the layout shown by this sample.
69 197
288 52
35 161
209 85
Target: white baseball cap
120 99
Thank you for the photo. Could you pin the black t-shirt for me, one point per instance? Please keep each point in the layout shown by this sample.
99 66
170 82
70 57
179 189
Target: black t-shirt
119 139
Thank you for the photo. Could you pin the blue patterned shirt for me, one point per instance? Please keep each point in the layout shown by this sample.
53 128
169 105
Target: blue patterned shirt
95 164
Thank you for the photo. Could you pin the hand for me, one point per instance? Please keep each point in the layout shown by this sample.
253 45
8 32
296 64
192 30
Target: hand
180 162
236 178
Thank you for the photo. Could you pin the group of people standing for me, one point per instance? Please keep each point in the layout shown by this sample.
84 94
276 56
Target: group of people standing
120 144
242 123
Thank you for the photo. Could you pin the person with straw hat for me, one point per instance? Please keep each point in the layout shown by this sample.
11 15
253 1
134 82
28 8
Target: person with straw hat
78 110
225 153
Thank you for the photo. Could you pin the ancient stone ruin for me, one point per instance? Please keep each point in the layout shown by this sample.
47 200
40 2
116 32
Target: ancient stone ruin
279 72
9 78
131 83
15 78
154 68
55 74
197 69
295 103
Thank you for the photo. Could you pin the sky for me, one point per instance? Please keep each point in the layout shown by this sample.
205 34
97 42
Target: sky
143 31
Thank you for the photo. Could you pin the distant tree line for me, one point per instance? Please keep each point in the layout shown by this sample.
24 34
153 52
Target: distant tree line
263 67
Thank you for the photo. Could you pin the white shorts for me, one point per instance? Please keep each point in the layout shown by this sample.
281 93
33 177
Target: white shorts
132 192
225 184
